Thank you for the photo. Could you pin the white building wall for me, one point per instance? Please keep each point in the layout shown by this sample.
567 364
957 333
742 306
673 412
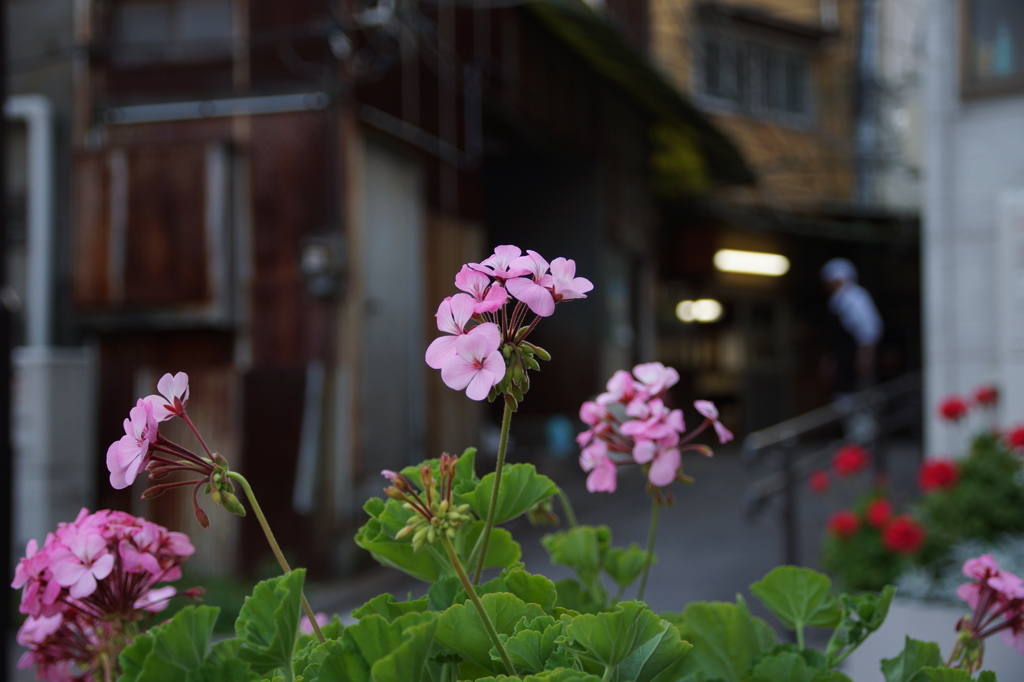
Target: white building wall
974 152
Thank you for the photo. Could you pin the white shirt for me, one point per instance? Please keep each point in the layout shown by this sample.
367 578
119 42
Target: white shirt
857 313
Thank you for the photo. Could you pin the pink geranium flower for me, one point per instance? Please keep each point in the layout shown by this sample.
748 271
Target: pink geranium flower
172 399
565 284
82 561
499 266
453 315
620 388
34 630
655 377
476 365
322 619
602 477
489 297
156 600
708 409
126 457
533 291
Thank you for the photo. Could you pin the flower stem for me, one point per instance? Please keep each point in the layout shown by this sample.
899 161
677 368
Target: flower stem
488 625
650 548
274 547
506 420
567 506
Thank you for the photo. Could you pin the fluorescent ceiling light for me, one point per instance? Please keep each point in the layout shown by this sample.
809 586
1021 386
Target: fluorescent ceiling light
751 262
701 310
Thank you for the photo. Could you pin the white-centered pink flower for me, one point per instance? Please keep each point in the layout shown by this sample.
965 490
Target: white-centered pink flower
620 388
453 315
655 377
34 630
476 366
488 297
534 291
127 456
499 265
173 397
708 409
603 476
565 285
82 561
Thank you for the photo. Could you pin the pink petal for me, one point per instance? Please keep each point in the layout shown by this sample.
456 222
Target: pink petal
102 567
706 408
493 300
534 263
440 350
475 347
643 451
602 479
481 384
663 470
181 386
503 256
67 572
724 434
165 387
533 295
490 332
85 586
495 364
562 268
675 420
456 372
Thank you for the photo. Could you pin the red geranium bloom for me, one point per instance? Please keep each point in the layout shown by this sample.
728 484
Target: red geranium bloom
1016 437
818 481
953 408
850 459
843 524
903 535
986 394
938 474
878 513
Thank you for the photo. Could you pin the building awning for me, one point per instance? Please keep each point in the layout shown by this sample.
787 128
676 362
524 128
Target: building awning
691 154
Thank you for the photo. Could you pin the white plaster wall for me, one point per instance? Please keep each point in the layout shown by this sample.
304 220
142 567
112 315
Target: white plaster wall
974 151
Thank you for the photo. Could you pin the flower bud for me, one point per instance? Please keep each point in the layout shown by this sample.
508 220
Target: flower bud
232 504
540 352
150 493
201 517
215 496
450 533
516 393
431 535
404 532
462 508
443 506
512 403
532 364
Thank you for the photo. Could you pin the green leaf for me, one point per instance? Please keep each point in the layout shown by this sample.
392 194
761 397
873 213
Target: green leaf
915 656
444 593
726 639
573 597
168 653
268 623
631 639
377 536
584 549
390 608
461 630
533 644
233 670
798 597
502 550
790 666
862 615
532 589
986 676
521 488
624 566
409 662
943 675
560 675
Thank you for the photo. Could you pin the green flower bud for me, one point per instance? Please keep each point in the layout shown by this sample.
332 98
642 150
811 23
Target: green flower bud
232 504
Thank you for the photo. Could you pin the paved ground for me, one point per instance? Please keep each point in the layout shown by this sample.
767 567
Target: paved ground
706 548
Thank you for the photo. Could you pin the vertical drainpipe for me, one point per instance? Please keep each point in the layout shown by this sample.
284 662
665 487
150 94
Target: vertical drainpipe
37 114
867 102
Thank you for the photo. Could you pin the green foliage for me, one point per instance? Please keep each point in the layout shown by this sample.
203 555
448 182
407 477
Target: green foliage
390 608
521 488
862 614
987 501
173 652
726 639
268 625
861 562
461 630
588 551
790 666
915 657
798 597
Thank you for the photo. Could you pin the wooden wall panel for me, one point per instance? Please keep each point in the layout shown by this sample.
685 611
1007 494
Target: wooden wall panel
90 280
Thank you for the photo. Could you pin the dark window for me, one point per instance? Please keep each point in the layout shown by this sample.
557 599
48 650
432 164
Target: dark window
756 77
172 30
993 48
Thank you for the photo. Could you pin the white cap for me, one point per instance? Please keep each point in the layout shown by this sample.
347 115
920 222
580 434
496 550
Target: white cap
839 270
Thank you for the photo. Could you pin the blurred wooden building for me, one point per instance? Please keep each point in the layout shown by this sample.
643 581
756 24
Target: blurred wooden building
275 196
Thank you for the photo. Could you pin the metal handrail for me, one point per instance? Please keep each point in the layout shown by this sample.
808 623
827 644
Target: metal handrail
786 433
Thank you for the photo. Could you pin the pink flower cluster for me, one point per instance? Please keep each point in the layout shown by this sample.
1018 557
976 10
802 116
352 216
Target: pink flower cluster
630 424
129 455
89 578
997 599
477 321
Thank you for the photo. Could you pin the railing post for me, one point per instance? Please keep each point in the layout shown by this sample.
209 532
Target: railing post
790 530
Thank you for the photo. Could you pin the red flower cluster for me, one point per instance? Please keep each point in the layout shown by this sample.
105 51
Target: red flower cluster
903 535
938 474
878 513
953 408
843 524
818 481
850 459
986 395
1016 437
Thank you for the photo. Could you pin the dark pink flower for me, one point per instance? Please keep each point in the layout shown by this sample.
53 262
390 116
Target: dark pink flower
603 476
488 297
953 408
172 399
476 366
128 456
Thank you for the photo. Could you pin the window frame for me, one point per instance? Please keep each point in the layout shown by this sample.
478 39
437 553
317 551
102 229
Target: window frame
969 87
174 51
741 42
